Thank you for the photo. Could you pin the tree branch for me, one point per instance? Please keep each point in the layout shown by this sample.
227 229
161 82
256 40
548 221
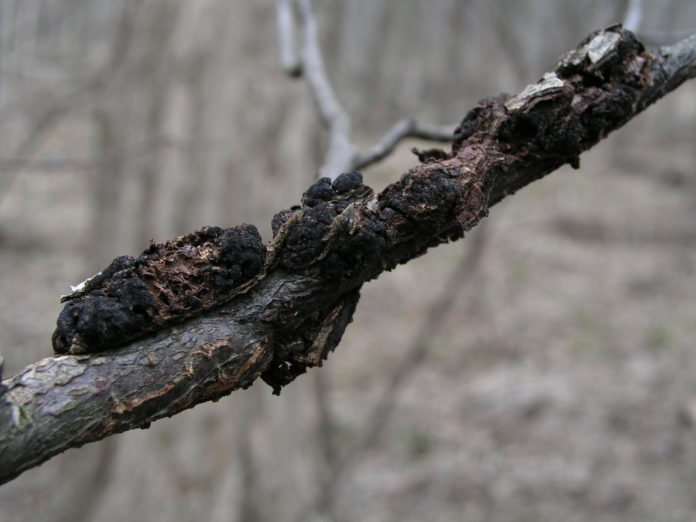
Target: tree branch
295 311
331 112
287 52
342 154
633 17
402 129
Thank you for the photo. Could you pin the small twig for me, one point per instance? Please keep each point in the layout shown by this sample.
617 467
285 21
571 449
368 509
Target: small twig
342 154
402 129
329 107
287 50
341 150
633 17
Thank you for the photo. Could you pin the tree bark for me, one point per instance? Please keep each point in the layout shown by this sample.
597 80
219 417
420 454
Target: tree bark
322 253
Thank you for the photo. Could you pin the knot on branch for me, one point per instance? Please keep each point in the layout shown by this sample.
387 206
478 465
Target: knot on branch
329 231
168 283
480 120
593 90
605 56
430 155
310 343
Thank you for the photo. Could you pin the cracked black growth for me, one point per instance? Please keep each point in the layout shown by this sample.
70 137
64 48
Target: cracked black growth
324 231
311 343
594 90
167 283
343 232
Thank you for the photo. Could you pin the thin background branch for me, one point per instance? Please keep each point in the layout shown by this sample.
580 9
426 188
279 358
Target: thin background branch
287 50
332 114
342 154
633 17
402 129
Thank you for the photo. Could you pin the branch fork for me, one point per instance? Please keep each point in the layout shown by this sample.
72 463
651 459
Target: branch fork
326 249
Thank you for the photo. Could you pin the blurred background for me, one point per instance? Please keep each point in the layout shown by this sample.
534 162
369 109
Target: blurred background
540 370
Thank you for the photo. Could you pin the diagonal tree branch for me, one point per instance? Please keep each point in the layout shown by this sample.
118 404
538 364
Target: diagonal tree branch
402 129
299 304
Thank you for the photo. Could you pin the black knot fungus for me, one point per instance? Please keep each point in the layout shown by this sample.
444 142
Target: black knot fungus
328 232
242 251
281 217
346 187
347 182
320 334
303 241
95 320
319 191
478 120
168 283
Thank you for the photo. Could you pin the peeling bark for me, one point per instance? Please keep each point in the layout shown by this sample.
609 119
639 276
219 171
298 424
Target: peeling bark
277 321
166 284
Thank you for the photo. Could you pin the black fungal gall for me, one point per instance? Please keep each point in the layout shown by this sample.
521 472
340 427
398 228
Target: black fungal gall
318 192
347 182
320 334
319 233
167 283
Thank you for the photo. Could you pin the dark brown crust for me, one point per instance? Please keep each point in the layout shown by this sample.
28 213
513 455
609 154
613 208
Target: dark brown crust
168 283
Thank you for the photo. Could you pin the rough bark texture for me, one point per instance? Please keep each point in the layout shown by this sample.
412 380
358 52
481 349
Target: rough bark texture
277 320
166 284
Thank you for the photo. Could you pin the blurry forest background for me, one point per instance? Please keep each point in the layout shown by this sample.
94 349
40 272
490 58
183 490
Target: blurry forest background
555 384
